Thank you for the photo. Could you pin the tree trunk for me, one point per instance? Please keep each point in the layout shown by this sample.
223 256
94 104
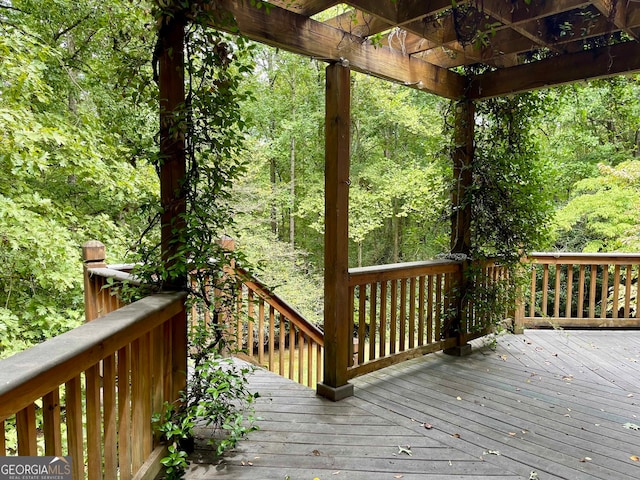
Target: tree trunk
395 225
292 192
274 210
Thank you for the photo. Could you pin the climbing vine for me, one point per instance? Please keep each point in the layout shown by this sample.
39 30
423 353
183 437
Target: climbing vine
210 119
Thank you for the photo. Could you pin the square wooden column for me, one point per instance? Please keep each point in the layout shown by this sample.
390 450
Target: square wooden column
462 177
337 334
461 215
172 176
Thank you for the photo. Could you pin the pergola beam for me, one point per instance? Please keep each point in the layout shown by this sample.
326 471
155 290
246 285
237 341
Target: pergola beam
299 34
607 61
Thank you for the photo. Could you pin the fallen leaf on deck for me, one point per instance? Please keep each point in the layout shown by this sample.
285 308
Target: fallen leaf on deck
336 473
492 452
631 426
585 459
630 395
250 464
398 476
405 450
512 434
503 357
316 453
428 426
635 458
456 435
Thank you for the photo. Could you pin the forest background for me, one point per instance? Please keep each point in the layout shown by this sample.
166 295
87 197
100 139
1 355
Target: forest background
78 145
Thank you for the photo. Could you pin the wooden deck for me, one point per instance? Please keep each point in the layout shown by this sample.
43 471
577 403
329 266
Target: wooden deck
550 402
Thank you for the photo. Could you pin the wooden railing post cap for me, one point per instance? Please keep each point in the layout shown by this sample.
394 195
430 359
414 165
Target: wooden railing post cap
93 251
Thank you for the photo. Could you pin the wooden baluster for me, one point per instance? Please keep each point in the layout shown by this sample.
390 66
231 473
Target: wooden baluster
250 323
124 412
300 361
352 325
362 324
421 307
581 292
412 312
94 422
319 364
261 332
3 440
403 315
616 290
545 289
592 291
147 438
110 409
430 306
292 350
383 319
393 331
627 292
73 412
569 291
26 429
556 295
281 343
373 304
51 423
158 367
438 309
310 354
532 299
604 303
137 410
239 318
272 337
637 314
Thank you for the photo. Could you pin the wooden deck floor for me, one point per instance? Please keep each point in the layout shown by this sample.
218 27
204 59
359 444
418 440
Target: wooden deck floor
550 402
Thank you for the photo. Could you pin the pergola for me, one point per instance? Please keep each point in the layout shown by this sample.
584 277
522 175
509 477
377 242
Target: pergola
462 50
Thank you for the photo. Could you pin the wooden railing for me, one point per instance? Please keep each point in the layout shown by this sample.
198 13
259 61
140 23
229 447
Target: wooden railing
581 290
97 385
271 333
90 393
401 311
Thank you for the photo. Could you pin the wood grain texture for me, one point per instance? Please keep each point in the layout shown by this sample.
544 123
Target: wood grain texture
552 402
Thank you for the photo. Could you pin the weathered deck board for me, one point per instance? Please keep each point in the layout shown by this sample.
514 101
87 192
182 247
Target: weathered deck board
553 402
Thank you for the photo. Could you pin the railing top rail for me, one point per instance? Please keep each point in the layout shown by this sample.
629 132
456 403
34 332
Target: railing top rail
33 373
296 317
611 258
395 271
116 273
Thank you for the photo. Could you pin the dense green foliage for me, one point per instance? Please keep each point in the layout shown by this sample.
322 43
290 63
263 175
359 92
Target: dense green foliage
76 116
78 120
510 205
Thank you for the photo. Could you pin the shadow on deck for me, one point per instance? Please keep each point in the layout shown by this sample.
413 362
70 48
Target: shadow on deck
550 402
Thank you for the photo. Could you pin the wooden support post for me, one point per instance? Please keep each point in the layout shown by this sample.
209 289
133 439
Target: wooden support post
93 256
172 144
461 216
172 176
463 180
337 334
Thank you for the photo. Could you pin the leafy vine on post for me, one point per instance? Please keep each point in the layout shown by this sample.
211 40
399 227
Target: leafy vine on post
510 207
209 127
